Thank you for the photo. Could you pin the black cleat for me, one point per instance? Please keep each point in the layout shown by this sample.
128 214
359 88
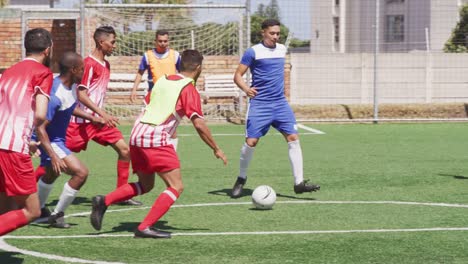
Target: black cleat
150 232
58 220
45 213
238 187
130 202
97 213
305 187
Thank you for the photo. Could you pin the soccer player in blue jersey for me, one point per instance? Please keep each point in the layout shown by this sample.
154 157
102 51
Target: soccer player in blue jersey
62 104
268 105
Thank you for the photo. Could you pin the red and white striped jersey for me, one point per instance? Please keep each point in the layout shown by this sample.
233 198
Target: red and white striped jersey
95 79
151 136
18 87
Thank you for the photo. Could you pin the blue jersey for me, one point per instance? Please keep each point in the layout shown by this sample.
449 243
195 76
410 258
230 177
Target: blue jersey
267 68
62 102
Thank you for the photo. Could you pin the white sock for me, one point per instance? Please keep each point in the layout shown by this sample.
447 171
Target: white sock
175 142
245 158
295 158
66 198
44 190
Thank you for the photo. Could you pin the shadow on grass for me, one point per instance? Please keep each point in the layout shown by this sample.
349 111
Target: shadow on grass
11 258
162 225
227 192
76 201
458 177
248 192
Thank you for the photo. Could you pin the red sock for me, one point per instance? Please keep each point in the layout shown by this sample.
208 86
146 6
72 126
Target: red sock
40 171
124 192
122 172
160 207
11 221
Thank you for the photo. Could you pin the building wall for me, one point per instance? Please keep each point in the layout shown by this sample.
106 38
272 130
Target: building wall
358 19
401 78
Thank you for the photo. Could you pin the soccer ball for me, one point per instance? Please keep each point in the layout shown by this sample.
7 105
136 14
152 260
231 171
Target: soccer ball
264 197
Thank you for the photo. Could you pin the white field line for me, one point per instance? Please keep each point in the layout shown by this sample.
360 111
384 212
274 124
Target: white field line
313 130
285 202
6 247
289 232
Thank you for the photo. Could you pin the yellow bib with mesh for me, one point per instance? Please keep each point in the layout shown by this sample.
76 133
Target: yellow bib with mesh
163 100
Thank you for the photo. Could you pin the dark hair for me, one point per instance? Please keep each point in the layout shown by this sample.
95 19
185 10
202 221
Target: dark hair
190 60
68 61
161 32
37 40
103 31
270 23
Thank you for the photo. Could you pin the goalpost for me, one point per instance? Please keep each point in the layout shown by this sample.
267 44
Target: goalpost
219 32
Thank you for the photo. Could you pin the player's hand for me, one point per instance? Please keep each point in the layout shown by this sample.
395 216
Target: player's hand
34 150
99 121
220 155
110 121
251 92
133 96
58 165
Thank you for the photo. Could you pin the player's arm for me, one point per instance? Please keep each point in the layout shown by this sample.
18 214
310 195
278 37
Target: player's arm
85 100
205 134
136 83
240 71
41 122
78 112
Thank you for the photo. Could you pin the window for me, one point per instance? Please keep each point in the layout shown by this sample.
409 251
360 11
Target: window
395 28
337 2
336 26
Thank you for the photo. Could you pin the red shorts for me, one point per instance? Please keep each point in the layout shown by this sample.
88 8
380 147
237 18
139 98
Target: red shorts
151 160
16 173
78 135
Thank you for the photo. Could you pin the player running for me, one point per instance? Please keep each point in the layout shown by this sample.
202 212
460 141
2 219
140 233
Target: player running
151 152
24 94
62 105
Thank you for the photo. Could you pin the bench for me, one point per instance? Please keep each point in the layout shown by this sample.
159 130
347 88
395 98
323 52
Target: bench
122 84
220 85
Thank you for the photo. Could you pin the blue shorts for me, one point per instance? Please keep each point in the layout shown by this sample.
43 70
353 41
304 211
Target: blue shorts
59 148
260 116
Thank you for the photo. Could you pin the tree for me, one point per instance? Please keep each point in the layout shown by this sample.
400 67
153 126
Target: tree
458 41
3 3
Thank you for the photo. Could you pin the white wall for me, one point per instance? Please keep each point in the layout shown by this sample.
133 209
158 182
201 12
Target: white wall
402 78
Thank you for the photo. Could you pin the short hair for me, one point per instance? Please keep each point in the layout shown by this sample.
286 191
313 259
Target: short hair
161 32
190 60
101 31
68 61
37 40
270 23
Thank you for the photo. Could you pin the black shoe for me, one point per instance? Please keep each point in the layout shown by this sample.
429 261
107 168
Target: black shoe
130 202
97 213
150 232
58 220
238 187
306 187
45 213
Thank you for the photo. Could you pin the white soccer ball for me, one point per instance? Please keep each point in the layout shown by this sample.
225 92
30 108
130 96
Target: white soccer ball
264 197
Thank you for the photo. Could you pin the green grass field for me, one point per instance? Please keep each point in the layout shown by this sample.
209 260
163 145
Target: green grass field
391 193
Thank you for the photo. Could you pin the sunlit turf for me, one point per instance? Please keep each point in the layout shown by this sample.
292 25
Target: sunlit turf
424 163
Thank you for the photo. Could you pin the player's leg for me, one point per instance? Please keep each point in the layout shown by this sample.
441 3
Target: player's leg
175 140
112 136
163 203
285 122
258 123
17 181
79 173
